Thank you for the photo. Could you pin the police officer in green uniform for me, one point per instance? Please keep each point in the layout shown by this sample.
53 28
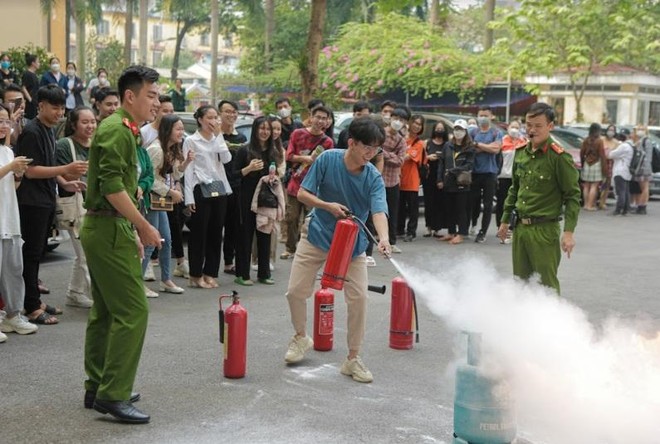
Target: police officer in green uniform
545 181
118 319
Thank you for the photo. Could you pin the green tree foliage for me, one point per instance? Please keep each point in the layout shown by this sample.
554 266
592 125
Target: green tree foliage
17 56
576 36
108 53
398 52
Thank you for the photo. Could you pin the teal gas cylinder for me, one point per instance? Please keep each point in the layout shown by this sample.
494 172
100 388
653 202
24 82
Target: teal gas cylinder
484 409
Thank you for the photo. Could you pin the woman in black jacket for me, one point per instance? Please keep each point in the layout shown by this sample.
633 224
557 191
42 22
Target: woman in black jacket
454 166
251 164
75 87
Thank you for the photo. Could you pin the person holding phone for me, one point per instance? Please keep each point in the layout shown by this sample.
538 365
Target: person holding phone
12 96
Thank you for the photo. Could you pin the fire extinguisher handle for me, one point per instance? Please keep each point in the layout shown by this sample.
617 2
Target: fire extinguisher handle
377 288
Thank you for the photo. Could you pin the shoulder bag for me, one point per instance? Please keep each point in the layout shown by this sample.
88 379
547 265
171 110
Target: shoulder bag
69 210
160 203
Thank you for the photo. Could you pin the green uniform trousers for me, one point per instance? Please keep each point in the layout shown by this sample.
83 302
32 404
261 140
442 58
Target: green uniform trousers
118 319
536 249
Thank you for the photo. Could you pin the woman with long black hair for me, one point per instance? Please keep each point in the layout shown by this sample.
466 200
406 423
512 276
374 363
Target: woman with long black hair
251 164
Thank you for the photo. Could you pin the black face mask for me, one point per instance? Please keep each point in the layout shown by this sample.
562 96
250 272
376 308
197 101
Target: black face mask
440 135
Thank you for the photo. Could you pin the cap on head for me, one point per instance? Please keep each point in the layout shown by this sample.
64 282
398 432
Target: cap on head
461 123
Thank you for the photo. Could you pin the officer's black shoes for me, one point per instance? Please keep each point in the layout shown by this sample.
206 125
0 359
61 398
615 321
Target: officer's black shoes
481 238
124 411
90 396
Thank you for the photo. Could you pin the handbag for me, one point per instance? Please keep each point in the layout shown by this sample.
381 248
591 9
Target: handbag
160 203
267 197
69 210
464 178
213 189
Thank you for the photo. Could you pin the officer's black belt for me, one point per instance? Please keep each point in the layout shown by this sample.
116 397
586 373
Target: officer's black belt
104 212
531 220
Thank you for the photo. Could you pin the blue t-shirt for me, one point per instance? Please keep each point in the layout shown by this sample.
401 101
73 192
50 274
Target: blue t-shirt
330 181
485 162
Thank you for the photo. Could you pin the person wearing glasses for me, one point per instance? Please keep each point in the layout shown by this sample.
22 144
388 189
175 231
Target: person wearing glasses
339 183
305 146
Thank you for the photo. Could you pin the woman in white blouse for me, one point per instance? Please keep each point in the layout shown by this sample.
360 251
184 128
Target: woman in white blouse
205 192
168 163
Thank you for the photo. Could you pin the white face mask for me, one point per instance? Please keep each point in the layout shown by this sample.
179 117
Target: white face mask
103 80
396 125
459 134
70 72
514 132
55 67
640 133
610 134
284 112
386 118
472 126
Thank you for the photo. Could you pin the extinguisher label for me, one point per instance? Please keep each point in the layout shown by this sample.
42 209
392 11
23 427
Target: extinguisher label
326 319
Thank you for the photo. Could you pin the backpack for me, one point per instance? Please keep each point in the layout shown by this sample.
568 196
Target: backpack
637 161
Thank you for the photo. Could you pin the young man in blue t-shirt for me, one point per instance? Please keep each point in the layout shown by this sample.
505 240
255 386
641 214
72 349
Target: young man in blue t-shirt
488 142
339 181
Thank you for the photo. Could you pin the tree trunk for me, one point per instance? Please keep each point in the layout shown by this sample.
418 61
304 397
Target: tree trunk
144 29
309 68
81 32
182 29
434 16
489 7
269 10
128 32
214 50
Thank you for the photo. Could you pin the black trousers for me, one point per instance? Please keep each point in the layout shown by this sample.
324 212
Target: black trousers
246 231
175 217
482 189
408 209
503 186
205 241
433 204
622 191
35 228
392 197
457 214
232 221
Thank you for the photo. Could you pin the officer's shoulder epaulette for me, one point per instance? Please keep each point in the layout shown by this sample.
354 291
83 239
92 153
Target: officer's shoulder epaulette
556 148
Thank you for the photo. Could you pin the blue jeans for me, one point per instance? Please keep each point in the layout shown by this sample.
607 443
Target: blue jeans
158 219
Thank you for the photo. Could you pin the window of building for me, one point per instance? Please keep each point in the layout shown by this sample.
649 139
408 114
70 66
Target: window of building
642 111
157 33
654 114
611 111
103 27
204 39
157 58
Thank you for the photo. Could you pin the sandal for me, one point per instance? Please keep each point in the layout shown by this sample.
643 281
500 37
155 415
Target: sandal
211 281
44 318
456 240
446 237
198 283
52 310
244 282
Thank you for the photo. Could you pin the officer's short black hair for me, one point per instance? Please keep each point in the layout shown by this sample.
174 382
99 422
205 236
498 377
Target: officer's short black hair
228 102
52 94
134 77
282 100
367 130
102 93
164 98
402 113
359 106
314 103
11 87
541 108
391 103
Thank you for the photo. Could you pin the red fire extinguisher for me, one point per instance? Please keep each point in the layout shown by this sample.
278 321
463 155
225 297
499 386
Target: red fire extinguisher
403 316
324 319
340 254
233 334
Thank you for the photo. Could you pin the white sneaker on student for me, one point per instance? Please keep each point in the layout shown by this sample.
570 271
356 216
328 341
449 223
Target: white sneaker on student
371 262
396 249
149 273
150 293
18 324
78 300
182 270
356 369
297 349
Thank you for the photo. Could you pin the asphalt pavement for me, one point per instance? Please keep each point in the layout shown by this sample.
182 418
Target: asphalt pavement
613 271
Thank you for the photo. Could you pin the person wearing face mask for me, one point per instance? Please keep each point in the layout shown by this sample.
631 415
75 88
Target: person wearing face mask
434 199
97 83
7 75
55 76
75 87
394 151
487 142
610 143
457 157
643 176
472 125
283 106
386 109
510 142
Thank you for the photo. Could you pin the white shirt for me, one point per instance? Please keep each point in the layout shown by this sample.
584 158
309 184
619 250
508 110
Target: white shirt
10 220
622 156
210 155
71 99
148 134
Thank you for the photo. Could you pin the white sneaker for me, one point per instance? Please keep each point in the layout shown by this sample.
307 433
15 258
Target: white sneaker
357 370
149 273
154 262
18 324
182 270
297 349
149 292
473 230
371 262
173 290
271 266
3 337
396 249
254 267
509 237
79 300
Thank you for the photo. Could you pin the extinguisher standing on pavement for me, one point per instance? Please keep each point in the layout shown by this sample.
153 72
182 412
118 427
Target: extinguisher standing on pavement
233 334
334 275
403 316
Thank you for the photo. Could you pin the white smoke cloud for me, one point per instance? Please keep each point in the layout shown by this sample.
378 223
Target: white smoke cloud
574 383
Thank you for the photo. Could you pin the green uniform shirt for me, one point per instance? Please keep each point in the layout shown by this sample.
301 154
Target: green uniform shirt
113 161
543 182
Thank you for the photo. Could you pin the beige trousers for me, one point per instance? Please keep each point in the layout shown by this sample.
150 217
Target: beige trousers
306 264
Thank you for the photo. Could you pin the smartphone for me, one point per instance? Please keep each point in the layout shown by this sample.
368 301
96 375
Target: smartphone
29 160
18 102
